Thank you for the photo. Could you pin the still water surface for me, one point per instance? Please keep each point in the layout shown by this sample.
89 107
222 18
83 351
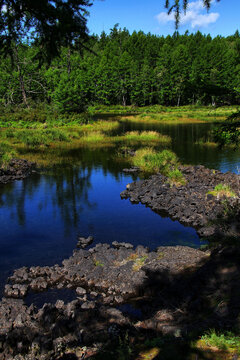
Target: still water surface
42 216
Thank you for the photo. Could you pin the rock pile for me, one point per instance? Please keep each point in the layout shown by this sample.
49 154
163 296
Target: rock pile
191 204
17 169
103 278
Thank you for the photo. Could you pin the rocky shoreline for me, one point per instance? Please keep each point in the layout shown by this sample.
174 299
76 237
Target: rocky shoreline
103 278
17 169
178 291
191 204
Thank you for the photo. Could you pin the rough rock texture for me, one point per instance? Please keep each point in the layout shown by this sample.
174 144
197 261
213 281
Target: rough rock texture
84 242
116 274
102 277
133 169
17 169
179 290
190 203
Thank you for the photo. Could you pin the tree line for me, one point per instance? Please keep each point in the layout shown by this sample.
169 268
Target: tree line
128 69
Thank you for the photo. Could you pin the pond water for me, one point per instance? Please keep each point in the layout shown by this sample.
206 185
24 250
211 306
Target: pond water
42 216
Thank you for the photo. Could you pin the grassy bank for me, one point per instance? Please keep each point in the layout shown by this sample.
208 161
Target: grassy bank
158 113
39 132
164 162
46 144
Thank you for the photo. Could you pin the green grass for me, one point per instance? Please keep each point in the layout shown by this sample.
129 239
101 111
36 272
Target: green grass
103 126
227 342
93 137
204 113
165 162
7 152
98 263
222 190
183 114
34 132
146 136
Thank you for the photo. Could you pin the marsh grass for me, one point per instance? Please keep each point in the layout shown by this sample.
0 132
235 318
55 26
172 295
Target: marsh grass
36 138
227 342
207 143
184 114
222 190
146 136
105 127
41 134
7 152
192 111
165 162
93 137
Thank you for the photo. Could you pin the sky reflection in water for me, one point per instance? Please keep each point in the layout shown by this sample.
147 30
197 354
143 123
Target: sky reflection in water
42 216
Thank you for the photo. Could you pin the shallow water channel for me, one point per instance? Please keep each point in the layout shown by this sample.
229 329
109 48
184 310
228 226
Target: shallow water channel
42 216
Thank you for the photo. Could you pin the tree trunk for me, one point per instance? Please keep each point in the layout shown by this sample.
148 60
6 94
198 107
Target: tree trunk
124 101
213 101
69 69
21 79
179 98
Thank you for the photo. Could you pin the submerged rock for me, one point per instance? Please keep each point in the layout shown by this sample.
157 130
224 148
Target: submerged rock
118 245
133 169
85 242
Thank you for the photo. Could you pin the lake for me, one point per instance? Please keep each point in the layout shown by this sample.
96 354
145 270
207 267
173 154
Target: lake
42 216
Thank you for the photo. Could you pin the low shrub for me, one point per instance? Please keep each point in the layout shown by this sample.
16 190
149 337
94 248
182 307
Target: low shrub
225 342
222 190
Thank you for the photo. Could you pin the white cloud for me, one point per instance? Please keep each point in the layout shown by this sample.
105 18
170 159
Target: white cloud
3 9
195 15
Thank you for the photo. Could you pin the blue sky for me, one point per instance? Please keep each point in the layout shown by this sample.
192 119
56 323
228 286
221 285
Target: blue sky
150 16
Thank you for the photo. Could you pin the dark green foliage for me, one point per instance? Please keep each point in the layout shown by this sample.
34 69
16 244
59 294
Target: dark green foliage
51 24
228 132
138 69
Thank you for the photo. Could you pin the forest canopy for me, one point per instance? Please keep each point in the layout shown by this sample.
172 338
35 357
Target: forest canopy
128 69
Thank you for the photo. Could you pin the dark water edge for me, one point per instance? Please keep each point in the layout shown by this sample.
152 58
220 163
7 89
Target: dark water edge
42 216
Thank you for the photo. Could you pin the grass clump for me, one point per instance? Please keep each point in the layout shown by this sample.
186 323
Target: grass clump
176 177
7 153
222 190
93 137
98 263
100 126
165 162
222 342
146 136
140 159
36 138
139 262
